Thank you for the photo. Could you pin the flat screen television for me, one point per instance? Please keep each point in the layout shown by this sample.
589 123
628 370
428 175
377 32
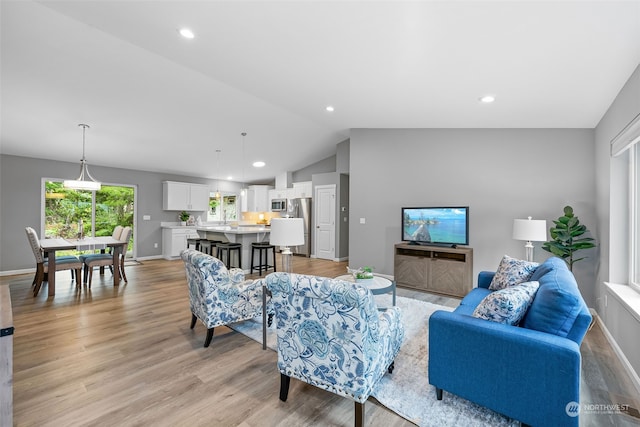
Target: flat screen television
444 226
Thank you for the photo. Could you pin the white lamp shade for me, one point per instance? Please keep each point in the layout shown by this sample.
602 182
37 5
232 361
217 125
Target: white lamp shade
81 185
533 230
287 232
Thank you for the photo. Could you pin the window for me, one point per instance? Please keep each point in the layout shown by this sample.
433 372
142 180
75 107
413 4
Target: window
223 208
65 210
628 140
634 174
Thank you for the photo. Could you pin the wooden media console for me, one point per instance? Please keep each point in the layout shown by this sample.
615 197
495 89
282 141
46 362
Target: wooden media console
441 270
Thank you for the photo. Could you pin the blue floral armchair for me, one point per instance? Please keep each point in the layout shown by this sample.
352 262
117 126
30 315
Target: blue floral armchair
331 335
218 296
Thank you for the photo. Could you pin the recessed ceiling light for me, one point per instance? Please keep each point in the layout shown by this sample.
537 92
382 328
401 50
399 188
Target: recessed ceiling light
258 164
487 99
229 178
186 33
330 108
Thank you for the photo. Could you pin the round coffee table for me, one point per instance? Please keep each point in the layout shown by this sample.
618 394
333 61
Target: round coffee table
378 285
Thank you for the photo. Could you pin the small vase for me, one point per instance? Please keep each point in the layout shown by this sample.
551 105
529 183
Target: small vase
183 223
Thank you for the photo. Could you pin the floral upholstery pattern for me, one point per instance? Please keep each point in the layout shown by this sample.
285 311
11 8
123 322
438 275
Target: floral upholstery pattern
511 272
508 305
218 296
331 334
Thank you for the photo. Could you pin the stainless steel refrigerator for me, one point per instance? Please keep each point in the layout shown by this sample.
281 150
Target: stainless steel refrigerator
301 208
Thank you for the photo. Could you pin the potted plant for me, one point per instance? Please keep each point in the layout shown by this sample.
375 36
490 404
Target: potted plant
184 217
363 274
566 238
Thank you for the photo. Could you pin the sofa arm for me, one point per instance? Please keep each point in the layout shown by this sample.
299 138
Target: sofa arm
525 374
485 278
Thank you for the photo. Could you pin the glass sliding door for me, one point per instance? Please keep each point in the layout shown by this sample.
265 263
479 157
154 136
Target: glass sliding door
100 212
64 209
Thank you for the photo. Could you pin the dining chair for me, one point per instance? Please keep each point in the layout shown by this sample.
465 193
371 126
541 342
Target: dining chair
66 262
104 260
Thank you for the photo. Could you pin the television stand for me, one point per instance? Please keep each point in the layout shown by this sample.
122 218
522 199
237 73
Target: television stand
439 245
439 269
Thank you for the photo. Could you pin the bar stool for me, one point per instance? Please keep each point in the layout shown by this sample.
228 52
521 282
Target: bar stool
263 249
206 245
226 248
193 241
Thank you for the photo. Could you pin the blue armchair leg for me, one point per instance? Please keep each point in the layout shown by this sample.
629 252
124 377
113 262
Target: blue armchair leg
207 341
284 386
438 393
359 421
391 367
193 320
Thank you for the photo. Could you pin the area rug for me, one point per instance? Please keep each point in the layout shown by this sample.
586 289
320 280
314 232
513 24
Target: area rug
407 391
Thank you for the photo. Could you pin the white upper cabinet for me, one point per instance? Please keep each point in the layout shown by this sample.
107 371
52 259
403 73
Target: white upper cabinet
258 198
302 189
184 196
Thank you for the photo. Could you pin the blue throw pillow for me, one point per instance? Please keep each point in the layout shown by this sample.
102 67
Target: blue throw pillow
512 271
507 305
557 302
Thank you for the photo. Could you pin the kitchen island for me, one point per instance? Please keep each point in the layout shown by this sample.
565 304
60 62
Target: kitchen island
243 234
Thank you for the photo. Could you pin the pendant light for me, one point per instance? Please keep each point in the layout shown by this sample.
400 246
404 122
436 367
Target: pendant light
243 191
217 195
85 181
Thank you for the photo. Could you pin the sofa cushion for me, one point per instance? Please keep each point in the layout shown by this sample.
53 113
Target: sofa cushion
512 271
558 301
507 305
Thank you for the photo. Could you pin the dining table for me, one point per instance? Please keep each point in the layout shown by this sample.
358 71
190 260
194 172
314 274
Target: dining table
51 246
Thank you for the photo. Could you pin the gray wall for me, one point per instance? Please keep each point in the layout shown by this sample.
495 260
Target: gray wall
611 196
341 181
323 166
342 157
21 198
501 174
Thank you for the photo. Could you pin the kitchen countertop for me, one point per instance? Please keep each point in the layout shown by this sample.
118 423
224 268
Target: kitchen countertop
243 229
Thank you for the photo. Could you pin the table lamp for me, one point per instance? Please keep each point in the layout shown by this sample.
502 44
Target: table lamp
530 230
286 232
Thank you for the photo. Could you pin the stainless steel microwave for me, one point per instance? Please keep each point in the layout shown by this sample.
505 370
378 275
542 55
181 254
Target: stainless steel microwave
279 205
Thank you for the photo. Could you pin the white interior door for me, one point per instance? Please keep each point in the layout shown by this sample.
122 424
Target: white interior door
325 212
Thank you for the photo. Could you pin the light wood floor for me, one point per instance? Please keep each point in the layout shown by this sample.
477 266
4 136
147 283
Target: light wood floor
125 356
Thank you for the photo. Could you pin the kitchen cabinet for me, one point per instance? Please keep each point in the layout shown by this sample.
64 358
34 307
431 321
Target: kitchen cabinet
258 198
174 241
302 189
184 196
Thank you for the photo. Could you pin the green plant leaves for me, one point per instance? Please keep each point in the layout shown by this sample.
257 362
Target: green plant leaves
564 234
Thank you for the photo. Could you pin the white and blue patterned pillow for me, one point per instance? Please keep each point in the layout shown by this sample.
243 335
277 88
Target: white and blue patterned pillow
511 272
507 305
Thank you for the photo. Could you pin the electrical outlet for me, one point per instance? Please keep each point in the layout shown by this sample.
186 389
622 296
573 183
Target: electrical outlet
146 217
363 220
155 245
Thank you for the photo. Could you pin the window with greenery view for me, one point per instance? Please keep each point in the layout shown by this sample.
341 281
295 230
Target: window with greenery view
100 213
223 208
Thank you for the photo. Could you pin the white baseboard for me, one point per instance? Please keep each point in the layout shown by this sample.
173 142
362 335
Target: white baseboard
15 272
148 258
623 359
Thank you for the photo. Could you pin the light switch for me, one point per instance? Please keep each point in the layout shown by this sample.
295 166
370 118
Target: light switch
363 220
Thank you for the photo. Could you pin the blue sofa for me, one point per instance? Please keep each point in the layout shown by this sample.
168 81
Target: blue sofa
529 372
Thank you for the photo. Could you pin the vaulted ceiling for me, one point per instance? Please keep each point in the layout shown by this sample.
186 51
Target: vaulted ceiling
159 102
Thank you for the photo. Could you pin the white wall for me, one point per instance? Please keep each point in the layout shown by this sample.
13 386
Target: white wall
501 174
612 212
